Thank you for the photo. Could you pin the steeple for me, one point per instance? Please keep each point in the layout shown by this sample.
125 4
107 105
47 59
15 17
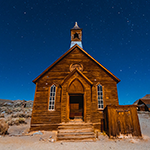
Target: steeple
76 36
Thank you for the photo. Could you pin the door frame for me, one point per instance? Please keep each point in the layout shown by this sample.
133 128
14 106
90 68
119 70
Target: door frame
84 105
77 94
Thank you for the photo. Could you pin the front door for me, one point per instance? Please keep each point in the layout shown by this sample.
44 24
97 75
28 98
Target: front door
76 106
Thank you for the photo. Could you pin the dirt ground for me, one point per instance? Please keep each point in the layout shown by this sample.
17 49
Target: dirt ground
20 139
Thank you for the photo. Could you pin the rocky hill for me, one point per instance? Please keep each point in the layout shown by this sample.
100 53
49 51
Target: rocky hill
15 112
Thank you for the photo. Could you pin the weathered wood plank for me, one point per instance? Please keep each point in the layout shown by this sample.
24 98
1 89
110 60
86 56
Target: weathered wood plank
56 75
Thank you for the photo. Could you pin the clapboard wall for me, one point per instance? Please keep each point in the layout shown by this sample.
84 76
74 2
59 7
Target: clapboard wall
122 119
92 72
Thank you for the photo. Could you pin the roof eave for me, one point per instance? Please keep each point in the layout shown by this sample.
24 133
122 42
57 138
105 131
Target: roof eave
54 63
59 59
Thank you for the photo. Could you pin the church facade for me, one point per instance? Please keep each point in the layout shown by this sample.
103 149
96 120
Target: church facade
76 86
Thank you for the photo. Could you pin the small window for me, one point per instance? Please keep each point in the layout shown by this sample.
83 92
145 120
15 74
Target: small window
100 97
52 97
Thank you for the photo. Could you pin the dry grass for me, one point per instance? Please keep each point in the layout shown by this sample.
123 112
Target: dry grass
1 115
3 127
16 121
21 115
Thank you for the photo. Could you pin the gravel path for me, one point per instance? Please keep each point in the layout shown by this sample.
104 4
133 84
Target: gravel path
42 142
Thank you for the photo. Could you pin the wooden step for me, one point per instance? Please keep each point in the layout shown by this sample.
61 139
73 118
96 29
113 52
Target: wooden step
73 131
75 126
77 138
75 134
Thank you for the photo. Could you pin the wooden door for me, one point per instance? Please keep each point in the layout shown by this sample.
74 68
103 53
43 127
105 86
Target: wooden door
124 122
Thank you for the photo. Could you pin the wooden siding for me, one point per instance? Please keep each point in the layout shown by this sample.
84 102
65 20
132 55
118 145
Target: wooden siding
56 75
121 120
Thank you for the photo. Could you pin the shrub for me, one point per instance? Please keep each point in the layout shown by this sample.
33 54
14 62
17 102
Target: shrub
16 121
22 120
3 127
9 111
2 115
22 115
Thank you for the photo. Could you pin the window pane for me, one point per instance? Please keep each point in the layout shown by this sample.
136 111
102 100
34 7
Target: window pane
100 88
54 89
52 97
100 96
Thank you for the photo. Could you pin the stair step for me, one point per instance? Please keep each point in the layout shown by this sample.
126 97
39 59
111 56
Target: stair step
73 123
76 137
74 126
75 130
75 134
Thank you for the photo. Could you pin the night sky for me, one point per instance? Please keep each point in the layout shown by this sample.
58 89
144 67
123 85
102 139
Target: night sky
35 33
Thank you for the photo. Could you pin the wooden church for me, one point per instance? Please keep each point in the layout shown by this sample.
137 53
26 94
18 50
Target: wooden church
75 86
77 93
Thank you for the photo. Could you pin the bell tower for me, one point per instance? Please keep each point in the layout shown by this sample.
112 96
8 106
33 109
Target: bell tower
76 36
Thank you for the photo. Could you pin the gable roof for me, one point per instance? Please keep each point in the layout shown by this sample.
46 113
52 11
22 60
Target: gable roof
145 100
77 70
147 96
71 49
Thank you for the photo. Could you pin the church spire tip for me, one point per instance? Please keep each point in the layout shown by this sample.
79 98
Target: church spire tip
76 26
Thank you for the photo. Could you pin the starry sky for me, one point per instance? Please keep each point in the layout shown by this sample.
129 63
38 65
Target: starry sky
35 33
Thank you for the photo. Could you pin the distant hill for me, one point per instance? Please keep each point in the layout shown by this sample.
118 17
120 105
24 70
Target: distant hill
15 103
5 100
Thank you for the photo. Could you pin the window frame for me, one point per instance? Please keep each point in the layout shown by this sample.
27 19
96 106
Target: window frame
52 94
101 96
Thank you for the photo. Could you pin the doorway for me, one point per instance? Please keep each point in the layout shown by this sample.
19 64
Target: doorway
76 106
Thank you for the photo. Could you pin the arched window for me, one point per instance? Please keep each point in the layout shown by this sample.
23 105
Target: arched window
52 97
100 96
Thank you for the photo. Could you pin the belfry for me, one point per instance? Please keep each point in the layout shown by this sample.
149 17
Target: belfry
76 36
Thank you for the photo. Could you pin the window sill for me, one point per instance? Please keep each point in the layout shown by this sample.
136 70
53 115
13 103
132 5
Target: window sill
51 110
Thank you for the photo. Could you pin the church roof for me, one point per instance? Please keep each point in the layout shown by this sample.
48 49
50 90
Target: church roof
76 27
71 49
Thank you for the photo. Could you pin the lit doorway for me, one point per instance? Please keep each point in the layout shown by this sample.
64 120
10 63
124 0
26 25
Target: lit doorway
76 106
